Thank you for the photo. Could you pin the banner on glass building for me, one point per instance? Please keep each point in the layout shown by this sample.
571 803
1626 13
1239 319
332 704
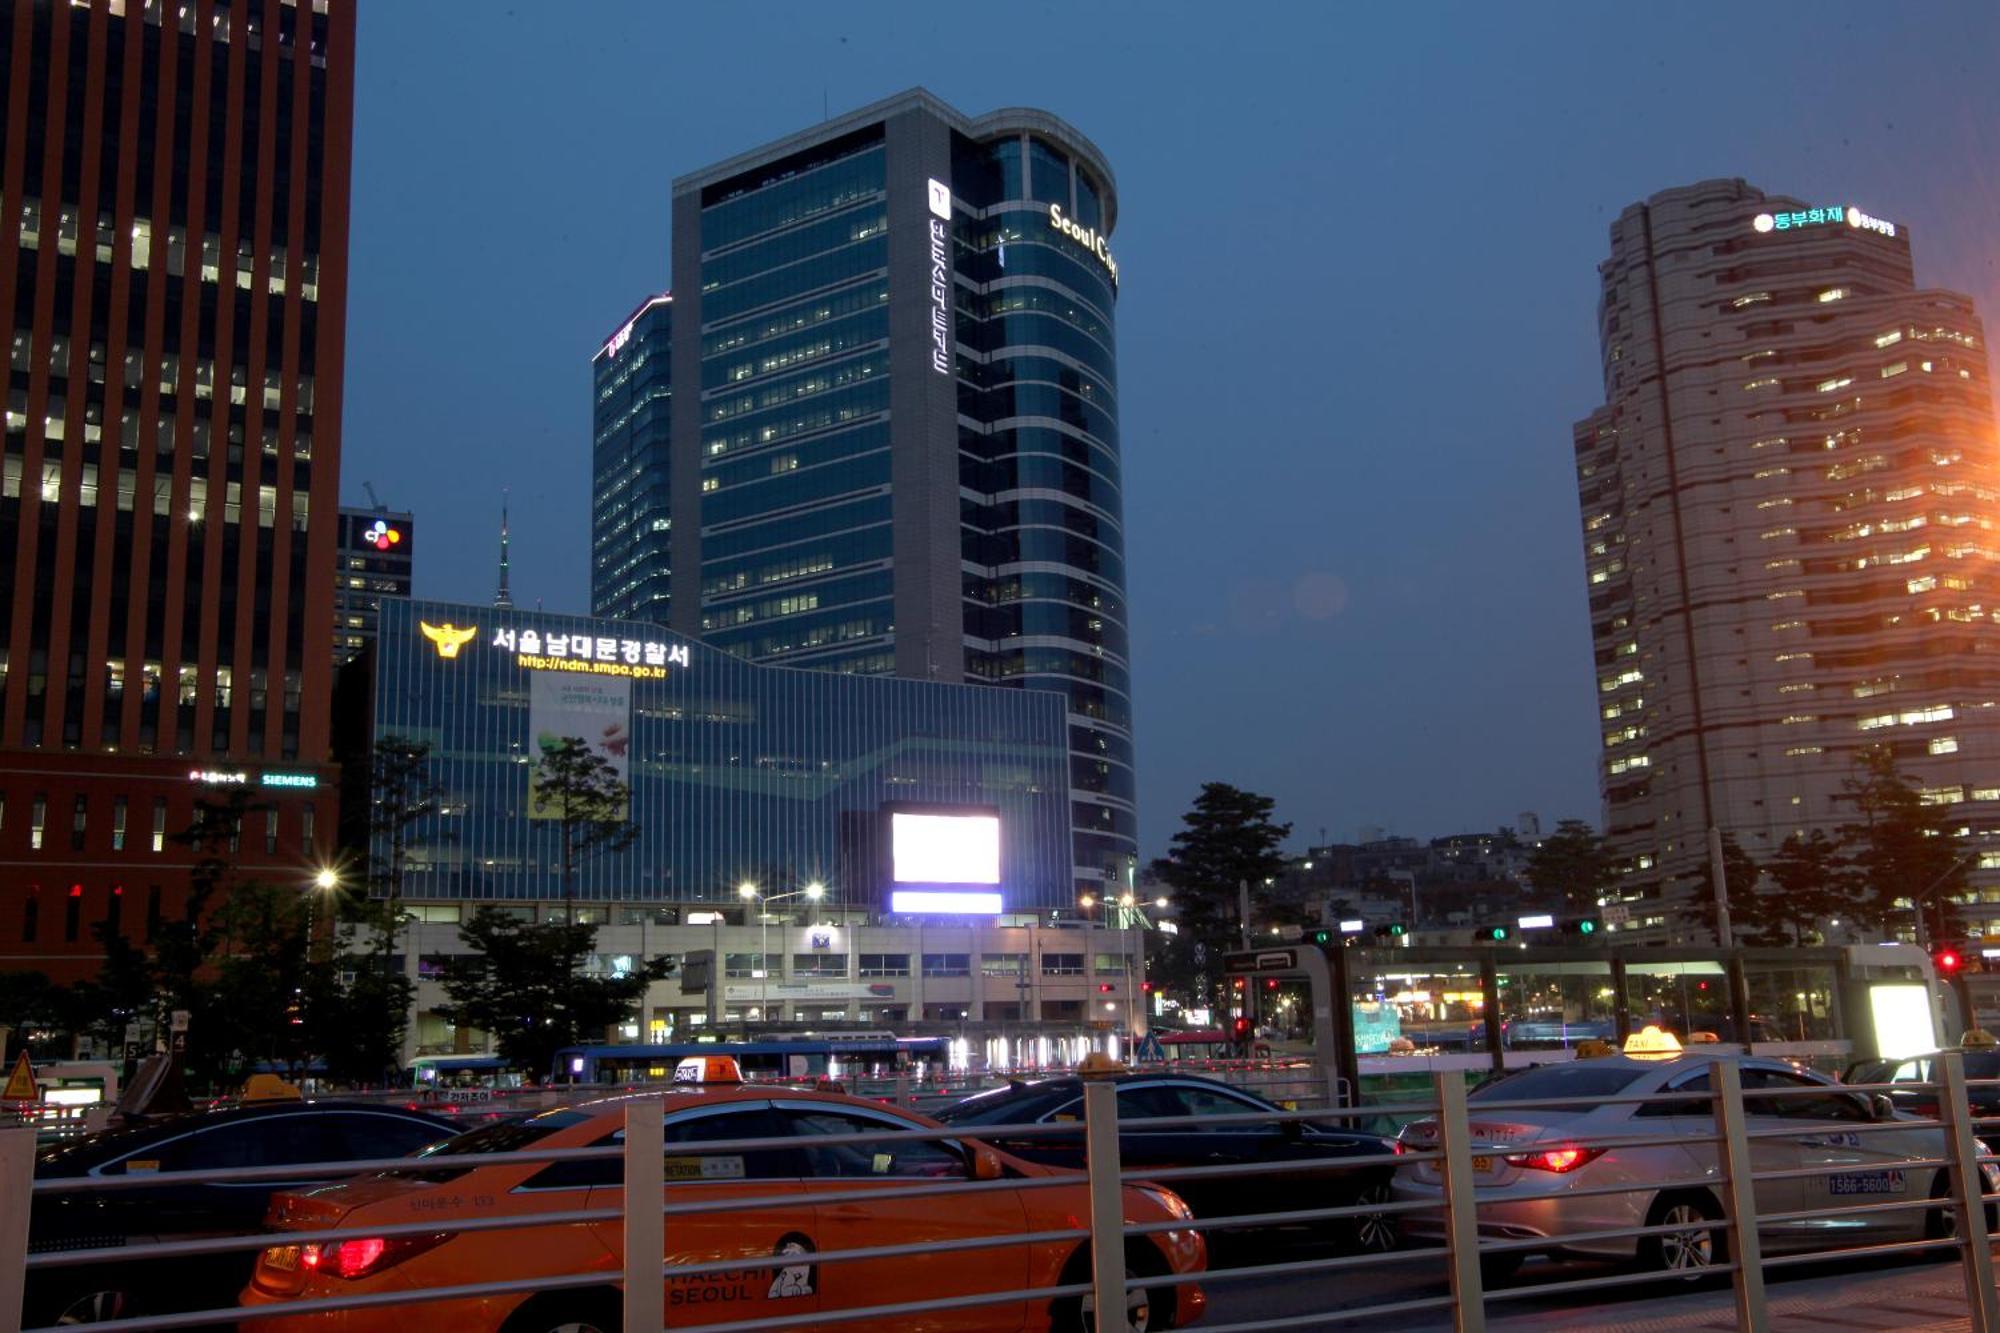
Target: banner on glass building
595 709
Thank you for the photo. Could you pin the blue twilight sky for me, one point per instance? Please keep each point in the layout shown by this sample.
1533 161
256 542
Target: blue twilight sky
1358 249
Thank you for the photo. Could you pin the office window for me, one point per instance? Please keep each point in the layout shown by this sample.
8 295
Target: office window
76 823
947 965
37 821
152 911
114 912
306 826
270 833
885 965
819 965
1062 964
31 915
742 965
72 914
444 913
648 916
118 824
587 916
1003 964
1110 962
159 823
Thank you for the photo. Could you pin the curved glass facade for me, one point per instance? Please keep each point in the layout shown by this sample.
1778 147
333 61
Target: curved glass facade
1044 533
738 771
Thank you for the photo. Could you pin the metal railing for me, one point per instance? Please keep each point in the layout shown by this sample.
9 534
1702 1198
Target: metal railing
1100 1245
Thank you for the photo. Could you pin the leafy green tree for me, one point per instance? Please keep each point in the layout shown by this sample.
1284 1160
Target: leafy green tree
1573 867
1808 884
580 793
1741 872
1227 843
1902 850
520 982
255 1014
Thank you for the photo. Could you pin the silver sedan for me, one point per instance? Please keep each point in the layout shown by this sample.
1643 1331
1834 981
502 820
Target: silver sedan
1536 1171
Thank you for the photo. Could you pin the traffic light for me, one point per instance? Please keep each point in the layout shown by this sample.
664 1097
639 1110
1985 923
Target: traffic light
1948 960
1585 926
1240 1029
1104 988
1491 935
1270 983
1322 937
1395 930
1145 988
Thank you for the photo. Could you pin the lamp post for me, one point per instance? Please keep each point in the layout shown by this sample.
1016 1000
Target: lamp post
749 892
326 881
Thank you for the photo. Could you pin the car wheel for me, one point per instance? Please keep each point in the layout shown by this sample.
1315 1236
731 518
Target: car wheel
580 1312
1372 1233
95 1306
1145 1311
1696 1246
1942 1223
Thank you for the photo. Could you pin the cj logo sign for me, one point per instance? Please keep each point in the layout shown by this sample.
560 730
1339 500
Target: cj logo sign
447 638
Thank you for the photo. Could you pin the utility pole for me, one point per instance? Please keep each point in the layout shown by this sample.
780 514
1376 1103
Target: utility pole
1243 910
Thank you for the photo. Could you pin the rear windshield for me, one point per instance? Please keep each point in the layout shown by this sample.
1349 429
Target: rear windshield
510 1136
1982 1064
1583 1079
1004 1106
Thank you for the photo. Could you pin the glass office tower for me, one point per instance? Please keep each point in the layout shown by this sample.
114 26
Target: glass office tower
629 514
900 456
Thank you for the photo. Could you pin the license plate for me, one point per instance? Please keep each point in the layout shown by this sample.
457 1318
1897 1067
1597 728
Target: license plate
284 1258
1482 1164
1867 1182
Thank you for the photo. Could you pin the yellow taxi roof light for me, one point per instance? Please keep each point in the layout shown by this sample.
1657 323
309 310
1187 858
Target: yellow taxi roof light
1977 1037
1652 1040
708 1069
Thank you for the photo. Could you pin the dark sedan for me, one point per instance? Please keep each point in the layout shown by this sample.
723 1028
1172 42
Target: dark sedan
1982 1063
1323 1176
257 1134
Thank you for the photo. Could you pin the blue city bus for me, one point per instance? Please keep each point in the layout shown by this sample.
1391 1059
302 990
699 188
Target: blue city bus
461 1071
835 1055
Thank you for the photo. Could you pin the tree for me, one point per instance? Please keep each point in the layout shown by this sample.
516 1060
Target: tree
1228 845
580 792
1573 867
519 982
1741 873
1808 884
401 792
1907 856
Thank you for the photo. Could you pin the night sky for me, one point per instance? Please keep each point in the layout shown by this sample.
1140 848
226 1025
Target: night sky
1358 254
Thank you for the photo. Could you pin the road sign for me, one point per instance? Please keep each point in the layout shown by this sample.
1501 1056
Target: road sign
178 1021
21 1083
1617 916
132 1033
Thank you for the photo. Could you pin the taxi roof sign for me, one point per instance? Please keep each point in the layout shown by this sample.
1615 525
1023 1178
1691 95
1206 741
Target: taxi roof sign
708 1069
1653 1042
21 1085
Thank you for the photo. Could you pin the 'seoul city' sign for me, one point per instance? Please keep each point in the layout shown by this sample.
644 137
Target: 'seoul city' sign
940 219
1090 238
1819 217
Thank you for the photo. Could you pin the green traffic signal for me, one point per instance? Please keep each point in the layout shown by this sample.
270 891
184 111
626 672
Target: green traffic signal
1398 928
1586 927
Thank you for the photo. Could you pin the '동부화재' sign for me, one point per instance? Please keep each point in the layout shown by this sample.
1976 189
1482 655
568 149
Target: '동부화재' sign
1820 217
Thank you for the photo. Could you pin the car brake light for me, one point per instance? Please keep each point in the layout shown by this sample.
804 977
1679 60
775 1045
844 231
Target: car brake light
352 1259
1558 1160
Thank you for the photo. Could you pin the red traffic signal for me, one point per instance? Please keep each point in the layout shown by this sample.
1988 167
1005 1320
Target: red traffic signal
1145 988
1240 1029
1104 988
1947 961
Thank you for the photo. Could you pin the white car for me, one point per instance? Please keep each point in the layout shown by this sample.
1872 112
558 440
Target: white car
1532 1167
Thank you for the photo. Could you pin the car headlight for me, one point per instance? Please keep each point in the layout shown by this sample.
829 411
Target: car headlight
1173 1204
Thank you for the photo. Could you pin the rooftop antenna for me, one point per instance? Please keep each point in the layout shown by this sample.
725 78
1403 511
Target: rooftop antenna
503 599
373 498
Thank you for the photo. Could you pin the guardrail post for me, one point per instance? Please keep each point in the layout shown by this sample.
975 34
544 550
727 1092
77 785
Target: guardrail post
1461 1205
903 1088
17 1183
1107 1204
1739 1195
1968 1190
645 1214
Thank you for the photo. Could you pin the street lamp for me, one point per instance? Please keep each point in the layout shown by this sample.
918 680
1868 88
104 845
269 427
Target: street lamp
325 881
750 893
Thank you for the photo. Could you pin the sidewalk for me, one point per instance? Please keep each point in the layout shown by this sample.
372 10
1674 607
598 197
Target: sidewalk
1919 1300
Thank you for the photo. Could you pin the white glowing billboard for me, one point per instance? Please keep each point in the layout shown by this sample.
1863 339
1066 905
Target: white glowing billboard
944 849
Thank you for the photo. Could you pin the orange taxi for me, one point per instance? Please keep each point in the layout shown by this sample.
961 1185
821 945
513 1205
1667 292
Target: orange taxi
772 1244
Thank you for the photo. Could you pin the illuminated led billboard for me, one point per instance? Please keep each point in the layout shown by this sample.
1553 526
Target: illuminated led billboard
944 862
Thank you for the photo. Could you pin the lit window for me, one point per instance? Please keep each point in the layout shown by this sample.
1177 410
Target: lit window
1944 745
1833 294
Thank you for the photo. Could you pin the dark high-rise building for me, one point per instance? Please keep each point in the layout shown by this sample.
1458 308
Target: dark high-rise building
1789 508
173 254
375 559
630 514
895 448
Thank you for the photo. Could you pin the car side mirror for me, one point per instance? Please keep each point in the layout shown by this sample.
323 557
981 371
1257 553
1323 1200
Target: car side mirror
1880 1107
985 1163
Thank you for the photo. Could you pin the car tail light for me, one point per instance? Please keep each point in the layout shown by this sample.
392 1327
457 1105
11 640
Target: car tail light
1558 1160
353 1259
